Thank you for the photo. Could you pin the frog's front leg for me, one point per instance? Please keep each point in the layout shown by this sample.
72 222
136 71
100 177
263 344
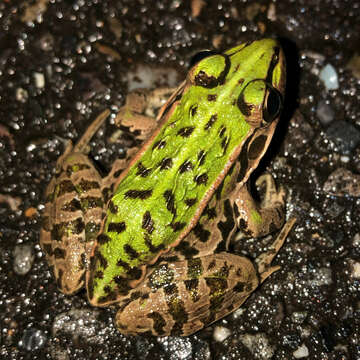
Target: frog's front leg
182 297
73 212
258 219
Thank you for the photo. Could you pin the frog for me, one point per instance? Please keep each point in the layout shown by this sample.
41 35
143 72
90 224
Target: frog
152 238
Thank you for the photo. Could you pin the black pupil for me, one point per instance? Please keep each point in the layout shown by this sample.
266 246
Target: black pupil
273 104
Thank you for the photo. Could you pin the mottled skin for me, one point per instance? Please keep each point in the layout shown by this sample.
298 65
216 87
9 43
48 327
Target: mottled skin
161 253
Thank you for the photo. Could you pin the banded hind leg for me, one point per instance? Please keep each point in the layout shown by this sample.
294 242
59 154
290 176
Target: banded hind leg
181 297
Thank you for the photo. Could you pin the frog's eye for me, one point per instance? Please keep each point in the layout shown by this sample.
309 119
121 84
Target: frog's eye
259 102
200 56
272 104
210 72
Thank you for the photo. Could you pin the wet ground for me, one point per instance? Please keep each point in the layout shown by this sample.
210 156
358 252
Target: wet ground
63 62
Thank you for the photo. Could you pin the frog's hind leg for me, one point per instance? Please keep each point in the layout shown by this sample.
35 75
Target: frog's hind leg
263 261
258 219
181 297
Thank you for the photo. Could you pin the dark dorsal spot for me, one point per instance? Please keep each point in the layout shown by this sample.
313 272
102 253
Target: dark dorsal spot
99 274
66 186
83 262
190 201
211 122
211 265
212 97
59 279
123 264
131 252
107 289
177 226
192 287
159 144
134 273
65 228
186 131
202 234
117 227
158 322
217 288
225 144
239 272
122 285
236 210
170 201
48 249
186 250
166 163
204 80
106 193
142 170
226 226
91 202
243 106
201 179
86 185
239 287
186 166
117 173
72 205
59 253
211 213
218 191
75 168
176 308
148 222
113 208
100 258
195 268
103 239
138 194
222 131
257 147
243 159
201 157
193 110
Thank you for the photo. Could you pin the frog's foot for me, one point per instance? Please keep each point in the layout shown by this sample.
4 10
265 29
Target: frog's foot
182 297
140 110
258 219
272 197
264 260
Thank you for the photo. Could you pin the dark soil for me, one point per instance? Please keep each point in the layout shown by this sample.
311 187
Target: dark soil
64 61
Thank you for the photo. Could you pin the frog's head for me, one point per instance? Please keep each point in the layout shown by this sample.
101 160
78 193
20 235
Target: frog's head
245 87
251 75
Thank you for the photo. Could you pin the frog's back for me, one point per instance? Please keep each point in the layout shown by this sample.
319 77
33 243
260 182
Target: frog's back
163 193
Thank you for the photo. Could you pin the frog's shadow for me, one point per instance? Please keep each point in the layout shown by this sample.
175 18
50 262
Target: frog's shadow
289 106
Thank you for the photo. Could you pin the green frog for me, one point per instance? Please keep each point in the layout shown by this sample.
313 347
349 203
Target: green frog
152 237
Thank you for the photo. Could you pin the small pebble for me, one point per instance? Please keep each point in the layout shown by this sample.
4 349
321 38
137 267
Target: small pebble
23 259
325 113
301 352
329 77
32 339
258 345
345 135
39 80
221 333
